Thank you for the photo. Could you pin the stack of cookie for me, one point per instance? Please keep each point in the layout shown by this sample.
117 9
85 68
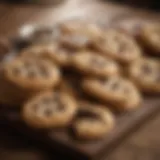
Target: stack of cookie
74 74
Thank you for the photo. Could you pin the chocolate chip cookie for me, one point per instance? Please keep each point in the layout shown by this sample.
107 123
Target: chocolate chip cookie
80 26
62 55
150 38
92 121
119 92
92 63
49 110
118 45
78 35
31 74
145 73
40 51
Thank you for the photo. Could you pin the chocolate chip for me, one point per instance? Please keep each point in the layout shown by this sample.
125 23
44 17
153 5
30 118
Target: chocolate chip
147 69
47 101
60 107
16 71
103 80
32 74
115 86
48 112
28 64
65 50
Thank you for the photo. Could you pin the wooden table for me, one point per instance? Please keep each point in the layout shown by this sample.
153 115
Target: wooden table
143 145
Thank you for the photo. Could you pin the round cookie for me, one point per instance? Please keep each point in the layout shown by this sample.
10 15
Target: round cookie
145 73
150 38
80 26
49 110
31 74
118 45
10 94
78 35
92 121
39 51
62 55
91 63
119 92
52 51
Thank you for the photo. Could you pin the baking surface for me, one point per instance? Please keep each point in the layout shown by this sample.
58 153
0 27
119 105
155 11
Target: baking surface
16 16
142 145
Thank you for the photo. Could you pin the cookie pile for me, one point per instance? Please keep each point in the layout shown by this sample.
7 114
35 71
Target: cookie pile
74 74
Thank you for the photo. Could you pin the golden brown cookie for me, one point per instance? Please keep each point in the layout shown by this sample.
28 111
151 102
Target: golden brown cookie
32 74
145 73
49 110
93 121
150 38
118 45
115 90
10 94
62 55
80 26
78 35
52 51
94 64
44 51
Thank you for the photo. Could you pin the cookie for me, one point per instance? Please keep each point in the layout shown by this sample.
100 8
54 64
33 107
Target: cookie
145 73
62 55
78 35
149 36
80 26
92 121
49 110
51 51
31 74
39 51
119 92
91 63
118 45
11 95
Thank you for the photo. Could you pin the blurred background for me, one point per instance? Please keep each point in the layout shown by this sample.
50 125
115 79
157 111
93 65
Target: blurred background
149 4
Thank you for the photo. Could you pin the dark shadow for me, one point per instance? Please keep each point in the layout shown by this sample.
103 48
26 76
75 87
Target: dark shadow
39 3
